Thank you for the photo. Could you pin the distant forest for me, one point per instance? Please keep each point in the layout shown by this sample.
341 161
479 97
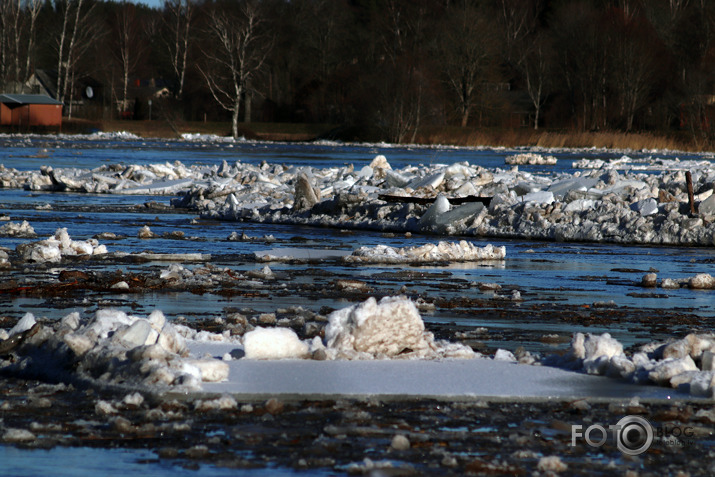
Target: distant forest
380 68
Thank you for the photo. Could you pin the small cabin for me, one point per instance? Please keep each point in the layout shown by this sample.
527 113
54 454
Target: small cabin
30 110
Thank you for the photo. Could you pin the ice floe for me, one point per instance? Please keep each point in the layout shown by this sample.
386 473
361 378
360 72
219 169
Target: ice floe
641 201
530 159
59 245
461 251
113 349
684 364
20 230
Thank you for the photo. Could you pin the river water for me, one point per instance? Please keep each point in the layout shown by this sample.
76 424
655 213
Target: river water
544 272
551 277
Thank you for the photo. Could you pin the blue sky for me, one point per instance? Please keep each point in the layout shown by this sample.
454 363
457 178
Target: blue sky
151 3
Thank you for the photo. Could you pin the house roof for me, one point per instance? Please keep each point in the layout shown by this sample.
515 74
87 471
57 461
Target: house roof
20 99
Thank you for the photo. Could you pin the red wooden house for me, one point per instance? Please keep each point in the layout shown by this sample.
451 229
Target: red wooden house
28 110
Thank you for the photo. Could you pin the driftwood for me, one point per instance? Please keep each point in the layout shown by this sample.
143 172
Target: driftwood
429 200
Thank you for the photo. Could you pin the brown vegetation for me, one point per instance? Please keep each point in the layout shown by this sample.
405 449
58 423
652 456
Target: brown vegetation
457 136
555 139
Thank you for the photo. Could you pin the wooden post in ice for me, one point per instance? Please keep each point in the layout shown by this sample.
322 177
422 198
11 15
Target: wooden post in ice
691 199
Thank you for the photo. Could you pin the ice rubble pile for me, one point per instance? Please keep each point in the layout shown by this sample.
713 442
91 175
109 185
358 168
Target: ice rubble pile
57 246
597 205
390 328
19 230
687 364
153 179
116 349
461 251
609 201
530 158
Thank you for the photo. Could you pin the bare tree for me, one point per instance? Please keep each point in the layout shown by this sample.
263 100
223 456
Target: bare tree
73 42
129 47
633 59
4 22
33 10
465 50
519 20
240 51
18 19
178 21
583 57
401 81
537 67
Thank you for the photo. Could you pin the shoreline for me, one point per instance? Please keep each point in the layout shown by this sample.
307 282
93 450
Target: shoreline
431 135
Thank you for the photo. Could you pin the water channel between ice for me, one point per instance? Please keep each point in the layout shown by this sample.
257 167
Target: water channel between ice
579 274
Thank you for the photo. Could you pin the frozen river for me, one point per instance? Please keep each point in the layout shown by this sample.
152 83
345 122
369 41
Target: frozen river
563 287
547 274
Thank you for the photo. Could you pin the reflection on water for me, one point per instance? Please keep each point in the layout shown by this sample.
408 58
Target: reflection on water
93 462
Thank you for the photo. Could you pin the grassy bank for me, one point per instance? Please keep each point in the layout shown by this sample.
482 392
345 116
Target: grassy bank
529 137
428 135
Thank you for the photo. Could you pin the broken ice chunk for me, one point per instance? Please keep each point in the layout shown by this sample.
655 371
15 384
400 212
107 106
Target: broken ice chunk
306 195
431 180
388 328
395 179
438 207
391 327
274 343
540 197
671 367
456 215
561 188
707 207
645 207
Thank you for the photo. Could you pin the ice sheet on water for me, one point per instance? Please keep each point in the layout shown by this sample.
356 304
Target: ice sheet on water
461 251
198 137
113 135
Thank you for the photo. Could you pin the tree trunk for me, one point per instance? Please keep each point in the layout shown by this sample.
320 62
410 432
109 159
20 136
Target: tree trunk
247 107
234 122
465 117
60 52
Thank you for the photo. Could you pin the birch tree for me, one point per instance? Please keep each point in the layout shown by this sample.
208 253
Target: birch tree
18 19
128 47
75 34
178 22
241 46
